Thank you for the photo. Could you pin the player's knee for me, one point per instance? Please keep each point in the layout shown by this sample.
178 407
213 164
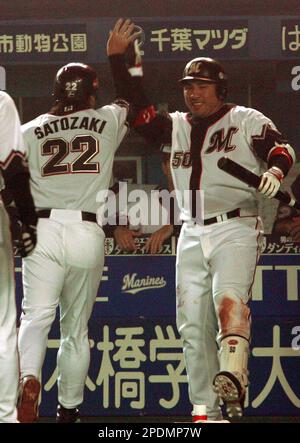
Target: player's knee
75 340
42 315
233 315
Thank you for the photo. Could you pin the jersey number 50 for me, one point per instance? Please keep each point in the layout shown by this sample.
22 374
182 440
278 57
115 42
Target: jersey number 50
59 148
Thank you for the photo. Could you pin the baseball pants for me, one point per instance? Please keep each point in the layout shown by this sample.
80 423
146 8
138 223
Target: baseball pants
215 270
65 269
9 364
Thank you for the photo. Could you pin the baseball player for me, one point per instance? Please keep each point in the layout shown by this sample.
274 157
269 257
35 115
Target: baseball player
14 175
216 256
71 151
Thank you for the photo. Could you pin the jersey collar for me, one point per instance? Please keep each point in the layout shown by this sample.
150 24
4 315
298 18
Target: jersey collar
211 119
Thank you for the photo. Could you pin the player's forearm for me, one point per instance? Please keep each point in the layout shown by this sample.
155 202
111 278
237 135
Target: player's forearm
121 77
144 117
283 157
127 87
18 187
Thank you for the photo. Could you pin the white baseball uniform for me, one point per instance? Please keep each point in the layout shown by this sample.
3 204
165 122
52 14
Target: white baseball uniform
11 147
70 160
216 260
218 247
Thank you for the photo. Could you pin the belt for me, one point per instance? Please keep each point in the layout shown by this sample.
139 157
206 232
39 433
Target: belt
222 217
85 216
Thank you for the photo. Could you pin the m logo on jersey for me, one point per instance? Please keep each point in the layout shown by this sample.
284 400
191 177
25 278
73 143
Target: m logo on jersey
219 142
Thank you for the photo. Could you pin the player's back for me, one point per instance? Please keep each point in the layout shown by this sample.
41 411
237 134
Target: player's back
71 156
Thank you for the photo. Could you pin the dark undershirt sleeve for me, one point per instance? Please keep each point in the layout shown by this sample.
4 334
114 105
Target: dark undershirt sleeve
16 178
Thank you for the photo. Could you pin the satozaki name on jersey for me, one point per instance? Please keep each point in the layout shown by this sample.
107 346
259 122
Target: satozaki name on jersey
69 123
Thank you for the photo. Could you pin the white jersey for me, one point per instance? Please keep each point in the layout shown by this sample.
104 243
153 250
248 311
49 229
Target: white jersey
11 140
243 134
12 156
71 156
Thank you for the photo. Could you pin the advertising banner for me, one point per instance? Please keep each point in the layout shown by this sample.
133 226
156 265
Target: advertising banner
137 365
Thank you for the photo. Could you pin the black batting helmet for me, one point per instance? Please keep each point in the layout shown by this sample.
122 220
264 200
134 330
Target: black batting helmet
74 82
206 70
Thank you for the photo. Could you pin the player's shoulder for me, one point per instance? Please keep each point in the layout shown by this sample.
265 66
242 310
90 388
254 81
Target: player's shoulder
245 115
6 101
114 107
38 121
115 113
245 111
5 98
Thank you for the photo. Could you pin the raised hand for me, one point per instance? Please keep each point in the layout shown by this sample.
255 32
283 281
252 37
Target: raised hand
121 36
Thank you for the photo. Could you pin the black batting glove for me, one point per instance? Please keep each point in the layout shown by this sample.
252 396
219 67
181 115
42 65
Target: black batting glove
26 243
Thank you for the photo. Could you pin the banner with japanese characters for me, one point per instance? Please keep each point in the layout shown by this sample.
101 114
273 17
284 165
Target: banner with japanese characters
290 37
137 368
43 43
137 365
174 38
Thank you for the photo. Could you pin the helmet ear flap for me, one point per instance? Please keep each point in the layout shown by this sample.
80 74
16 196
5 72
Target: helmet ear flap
95 84
221 92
